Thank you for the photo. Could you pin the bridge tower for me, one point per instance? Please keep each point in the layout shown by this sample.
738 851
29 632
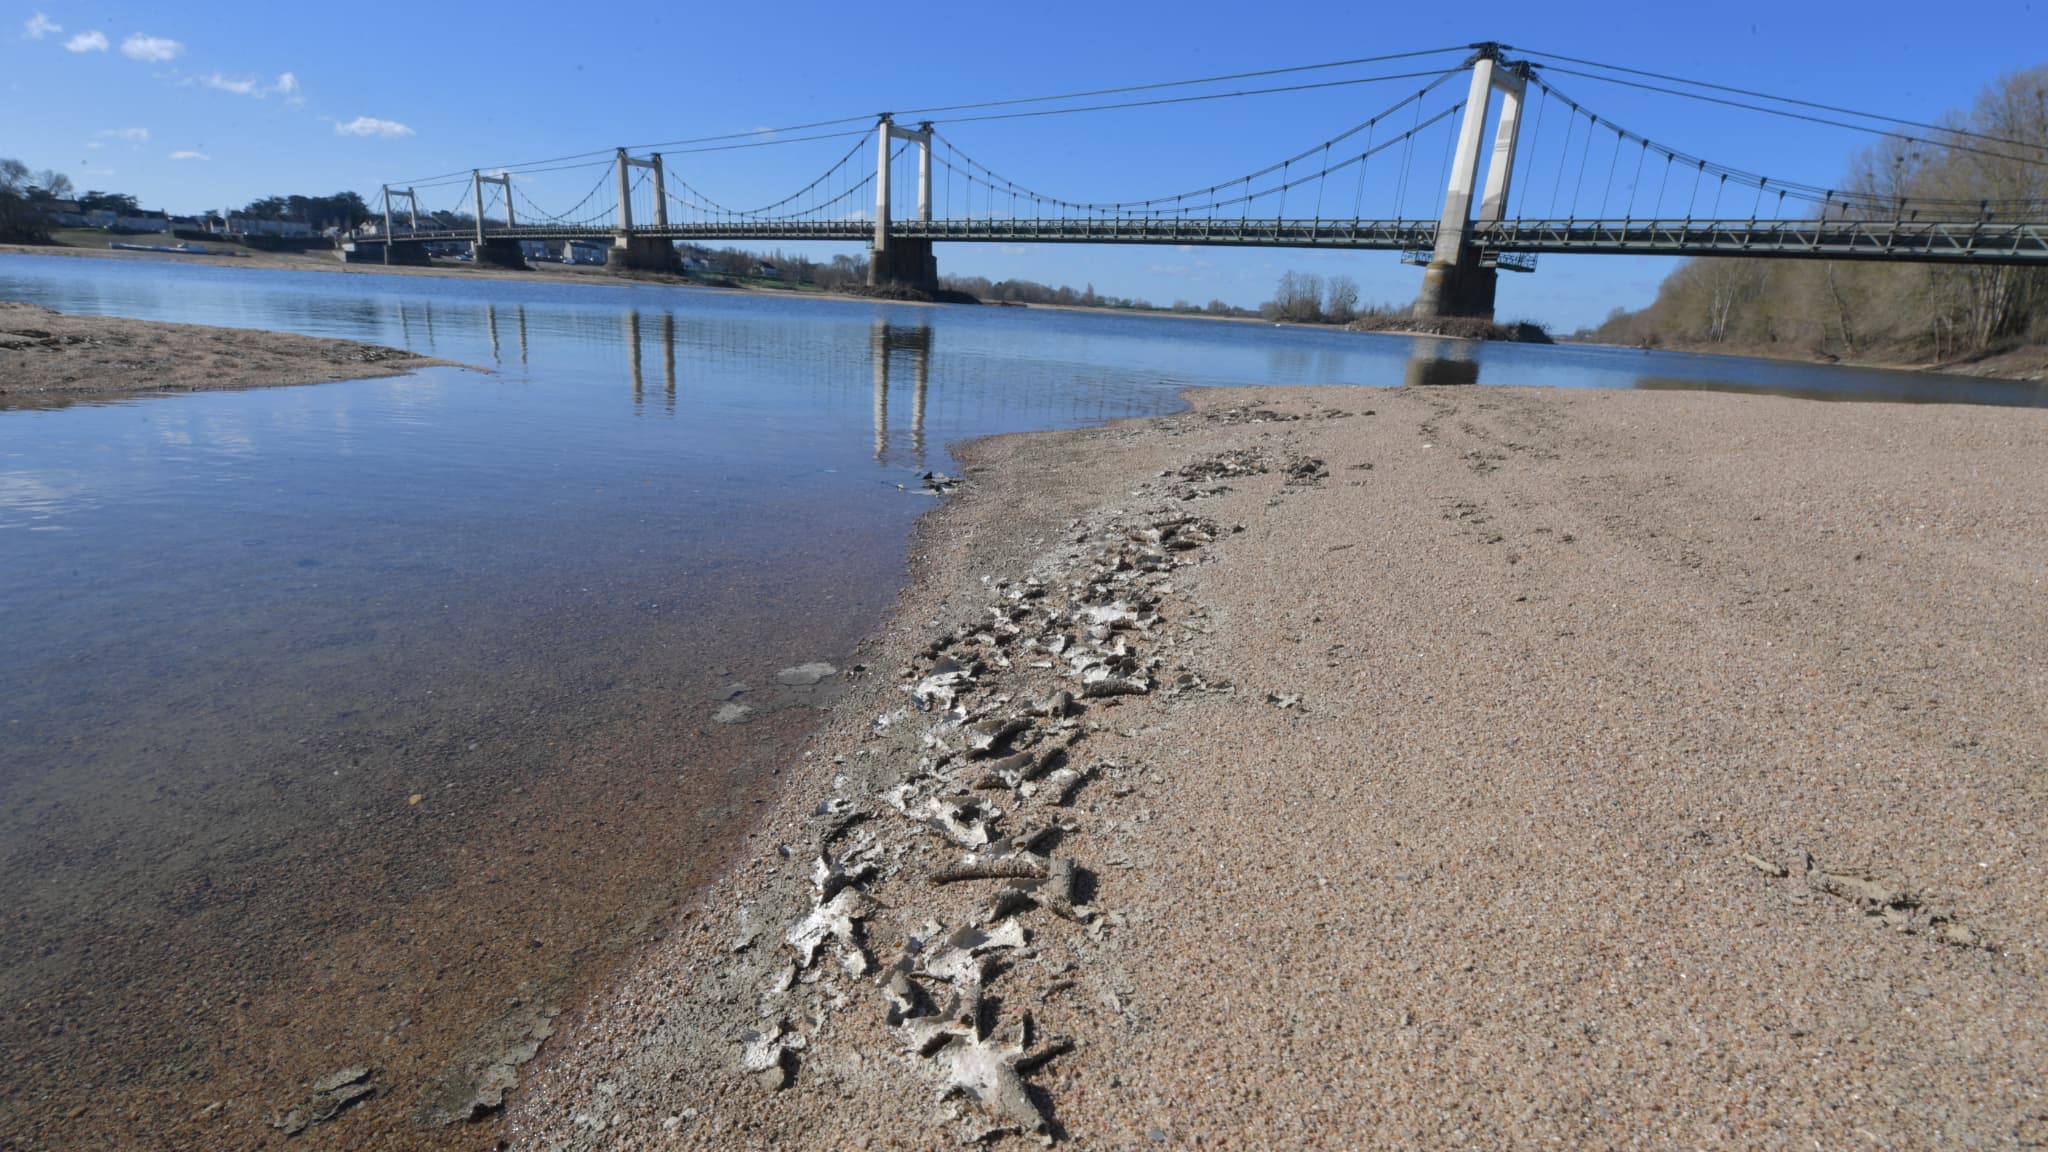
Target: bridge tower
500 251
641 253
1455 283
899 259
395 251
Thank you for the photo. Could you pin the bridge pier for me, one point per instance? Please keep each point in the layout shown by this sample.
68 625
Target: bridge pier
1456 283
641 254
908 263
498 253
1461 287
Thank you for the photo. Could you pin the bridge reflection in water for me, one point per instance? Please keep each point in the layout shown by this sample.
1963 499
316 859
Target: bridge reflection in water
491 322
852 366
1437 362
884 341
668 359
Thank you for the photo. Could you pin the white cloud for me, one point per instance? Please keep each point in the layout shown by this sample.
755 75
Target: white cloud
190 155
38 26
371 126
286 85
239 86
150 49
87 42
124 135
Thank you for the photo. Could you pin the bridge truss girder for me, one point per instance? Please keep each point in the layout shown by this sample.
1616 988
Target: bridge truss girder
1945 242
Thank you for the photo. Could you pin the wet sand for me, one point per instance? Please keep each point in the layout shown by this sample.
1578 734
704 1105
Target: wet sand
49 357
1499 767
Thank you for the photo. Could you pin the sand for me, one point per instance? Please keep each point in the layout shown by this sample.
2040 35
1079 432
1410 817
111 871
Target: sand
50 357
1509 768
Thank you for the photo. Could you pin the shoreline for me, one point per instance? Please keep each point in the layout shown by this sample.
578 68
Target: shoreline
51 359
2028 365
1429 798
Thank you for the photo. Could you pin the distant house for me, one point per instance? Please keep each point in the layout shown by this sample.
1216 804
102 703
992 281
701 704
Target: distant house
696 264
535 250
584 252
250 226
767 271
142 222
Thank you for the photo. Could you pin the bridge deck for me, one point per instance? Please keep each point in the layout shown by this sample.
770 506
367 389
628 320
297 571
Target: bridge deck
1958 242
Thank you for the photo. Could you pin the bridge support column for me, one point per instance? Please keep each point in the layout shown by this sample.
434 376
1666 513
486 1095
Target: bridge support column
498 253
641 254
385 252
897 260
1456 283
909 263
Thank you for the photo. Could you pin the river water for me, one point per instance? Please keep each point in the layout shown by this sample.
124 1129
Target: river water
340 724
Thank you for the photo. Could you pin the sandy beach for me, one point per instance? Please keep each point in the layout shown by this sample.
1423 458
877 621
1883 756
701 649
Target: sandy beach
51 357
1428 767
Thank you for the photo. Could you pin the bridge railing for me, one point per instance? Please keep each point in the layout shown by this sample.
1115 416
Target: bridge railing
1961 241
1965 241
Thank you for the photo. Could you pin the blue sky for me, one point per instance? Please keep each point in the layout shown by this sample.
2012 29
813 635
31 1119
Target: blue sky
192 106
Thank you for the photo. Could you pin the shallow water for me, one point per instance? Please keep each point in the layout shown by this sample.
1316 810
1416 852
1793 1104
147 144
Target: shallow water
334 714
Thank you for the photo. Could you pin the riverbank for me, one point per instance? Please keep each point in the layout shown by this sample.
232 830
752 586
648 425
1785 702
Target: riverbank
49 357
2028 362
1360 767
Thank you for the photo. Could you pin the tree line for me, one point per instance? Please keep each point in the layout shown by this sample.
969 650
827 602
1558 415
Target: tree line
28 197
1876 310
1306 298
343 210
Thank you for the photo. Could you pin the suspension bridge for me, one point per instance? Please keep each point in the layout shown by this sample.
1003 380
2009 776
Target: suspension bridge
1419 177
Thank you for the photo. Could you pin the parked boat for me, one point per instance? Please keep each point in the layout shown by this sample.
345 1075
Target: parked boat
180 249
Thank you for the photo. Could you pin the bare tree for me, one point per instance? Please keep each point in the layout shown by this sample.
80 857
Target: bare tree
54 184
1341 300
1299 297
20 219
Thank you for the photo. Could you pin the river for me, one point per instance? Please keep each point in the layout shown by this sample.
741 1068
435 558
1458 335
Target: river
340 724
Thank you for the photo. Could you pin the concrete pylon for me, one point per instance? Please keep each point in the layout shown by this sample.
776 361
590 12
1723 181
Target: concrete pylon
1454 283
630 251
502 251
901 260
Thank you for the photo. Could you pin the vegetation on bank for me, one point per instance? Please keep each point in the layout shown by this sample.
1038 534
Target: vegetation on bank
1904 313
23 194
